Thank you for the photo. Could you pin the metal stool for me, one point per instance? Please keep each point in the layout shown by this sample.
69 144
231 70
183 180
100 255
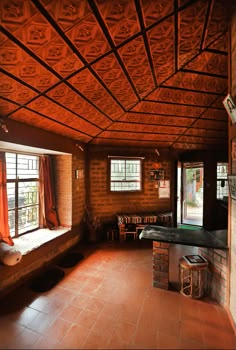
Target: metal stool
192 275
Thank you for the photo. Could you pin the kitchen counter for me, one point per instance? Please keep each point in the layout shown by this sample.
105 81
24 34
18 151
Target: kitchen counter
216 239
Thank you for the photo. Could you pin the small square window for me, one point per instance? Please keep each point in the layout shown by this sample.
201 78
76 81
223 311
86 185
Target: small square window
125 174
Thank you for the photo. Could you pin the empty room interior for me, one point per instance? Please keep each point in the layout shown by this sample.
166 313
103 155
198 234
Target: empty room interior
117 174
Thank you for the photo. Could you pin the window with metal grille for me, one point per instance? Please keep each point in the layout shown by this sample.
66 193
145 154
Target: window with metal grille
222 182
125 174
22 192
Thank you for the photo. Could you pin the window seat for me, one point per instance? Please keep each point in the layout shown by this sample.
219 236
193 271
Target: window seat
30 241
39 249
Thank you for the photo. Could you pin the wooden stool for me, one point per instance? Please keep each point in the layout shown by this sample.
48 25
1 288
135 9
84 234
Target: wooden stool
192 275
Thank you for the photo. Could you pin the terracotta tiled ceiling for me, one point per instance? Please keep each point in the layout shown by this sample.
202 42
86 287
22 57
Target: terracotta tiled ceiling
117 72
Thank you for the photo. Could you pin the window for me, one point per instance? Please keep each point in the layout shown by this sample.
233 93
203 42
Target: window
222 182
125 174
22 192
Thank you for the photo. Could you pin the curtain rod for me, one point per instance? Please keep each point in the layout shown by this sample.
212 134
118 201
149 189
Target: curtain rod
125 157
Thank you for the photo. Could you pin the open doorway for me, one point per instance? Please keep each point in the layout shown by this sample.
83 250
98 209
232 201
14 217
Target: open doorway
190 193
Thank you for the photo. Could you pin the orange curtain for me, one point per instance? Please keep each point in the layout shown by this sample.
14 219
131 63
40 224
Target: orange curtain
4 227
47 193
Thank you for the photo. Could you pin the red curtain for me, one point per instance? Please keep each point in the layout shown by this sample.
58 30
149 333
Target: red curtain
47 193
4 227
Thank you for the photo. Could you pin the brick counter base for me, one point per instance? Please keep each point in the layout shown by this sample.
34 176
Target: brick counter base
160 265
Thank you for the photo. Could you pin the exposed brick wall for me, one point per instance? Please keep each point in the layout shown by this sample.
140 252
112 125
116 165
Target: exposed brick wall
78 190
63 187
232 203
105 205
70 191
160 260
217 273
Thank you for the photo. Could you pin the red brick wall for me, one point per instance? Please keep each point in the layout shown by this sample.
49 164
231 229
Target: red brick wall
217 273
106 205
63 187
160 261
78 189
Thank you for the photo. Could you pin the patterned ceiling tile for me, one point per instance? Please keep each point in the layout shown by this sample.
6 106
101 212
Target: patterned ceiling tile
6 107
161 39
210 124
60 57
156 119
180 96
130 143
206 133
58 113
219 102
182 2
67 12
89 39
191 81
17 62
113 76
215 114
137 136
191 25
30 118
210 63
168 109
156 10
120 18
218 22
101 94
221 43
14 14
69 98
15 91
89 86
206 140
194 146
134 127
135 59
36 33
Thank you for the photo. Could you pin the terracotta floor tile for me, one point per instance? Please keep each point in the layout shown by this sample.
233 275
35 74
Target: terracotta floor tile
169 327
40 303
8 331
70 313
190 344
25 316
97 340
81 300
123 332
192 330
41 322
75 337
87 318
218 337
95 304
46 343
57 330
107 301
167 341
25 340
145 338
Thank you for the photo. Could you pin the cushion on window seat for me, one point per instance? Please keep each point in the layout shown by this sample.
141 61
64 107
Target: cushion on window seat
9 255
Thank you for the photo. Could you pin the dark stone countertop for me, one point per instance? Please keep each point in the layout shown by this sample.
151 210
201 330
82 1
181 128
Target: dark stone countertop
200 238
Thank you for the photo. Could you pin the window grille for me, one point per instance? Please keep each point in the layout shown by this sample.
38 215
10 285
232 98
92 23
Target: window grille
222 182
22 192
125 174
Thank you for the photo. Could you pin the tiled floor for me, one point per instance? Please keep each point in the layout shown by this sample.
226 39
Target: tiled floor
107 301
